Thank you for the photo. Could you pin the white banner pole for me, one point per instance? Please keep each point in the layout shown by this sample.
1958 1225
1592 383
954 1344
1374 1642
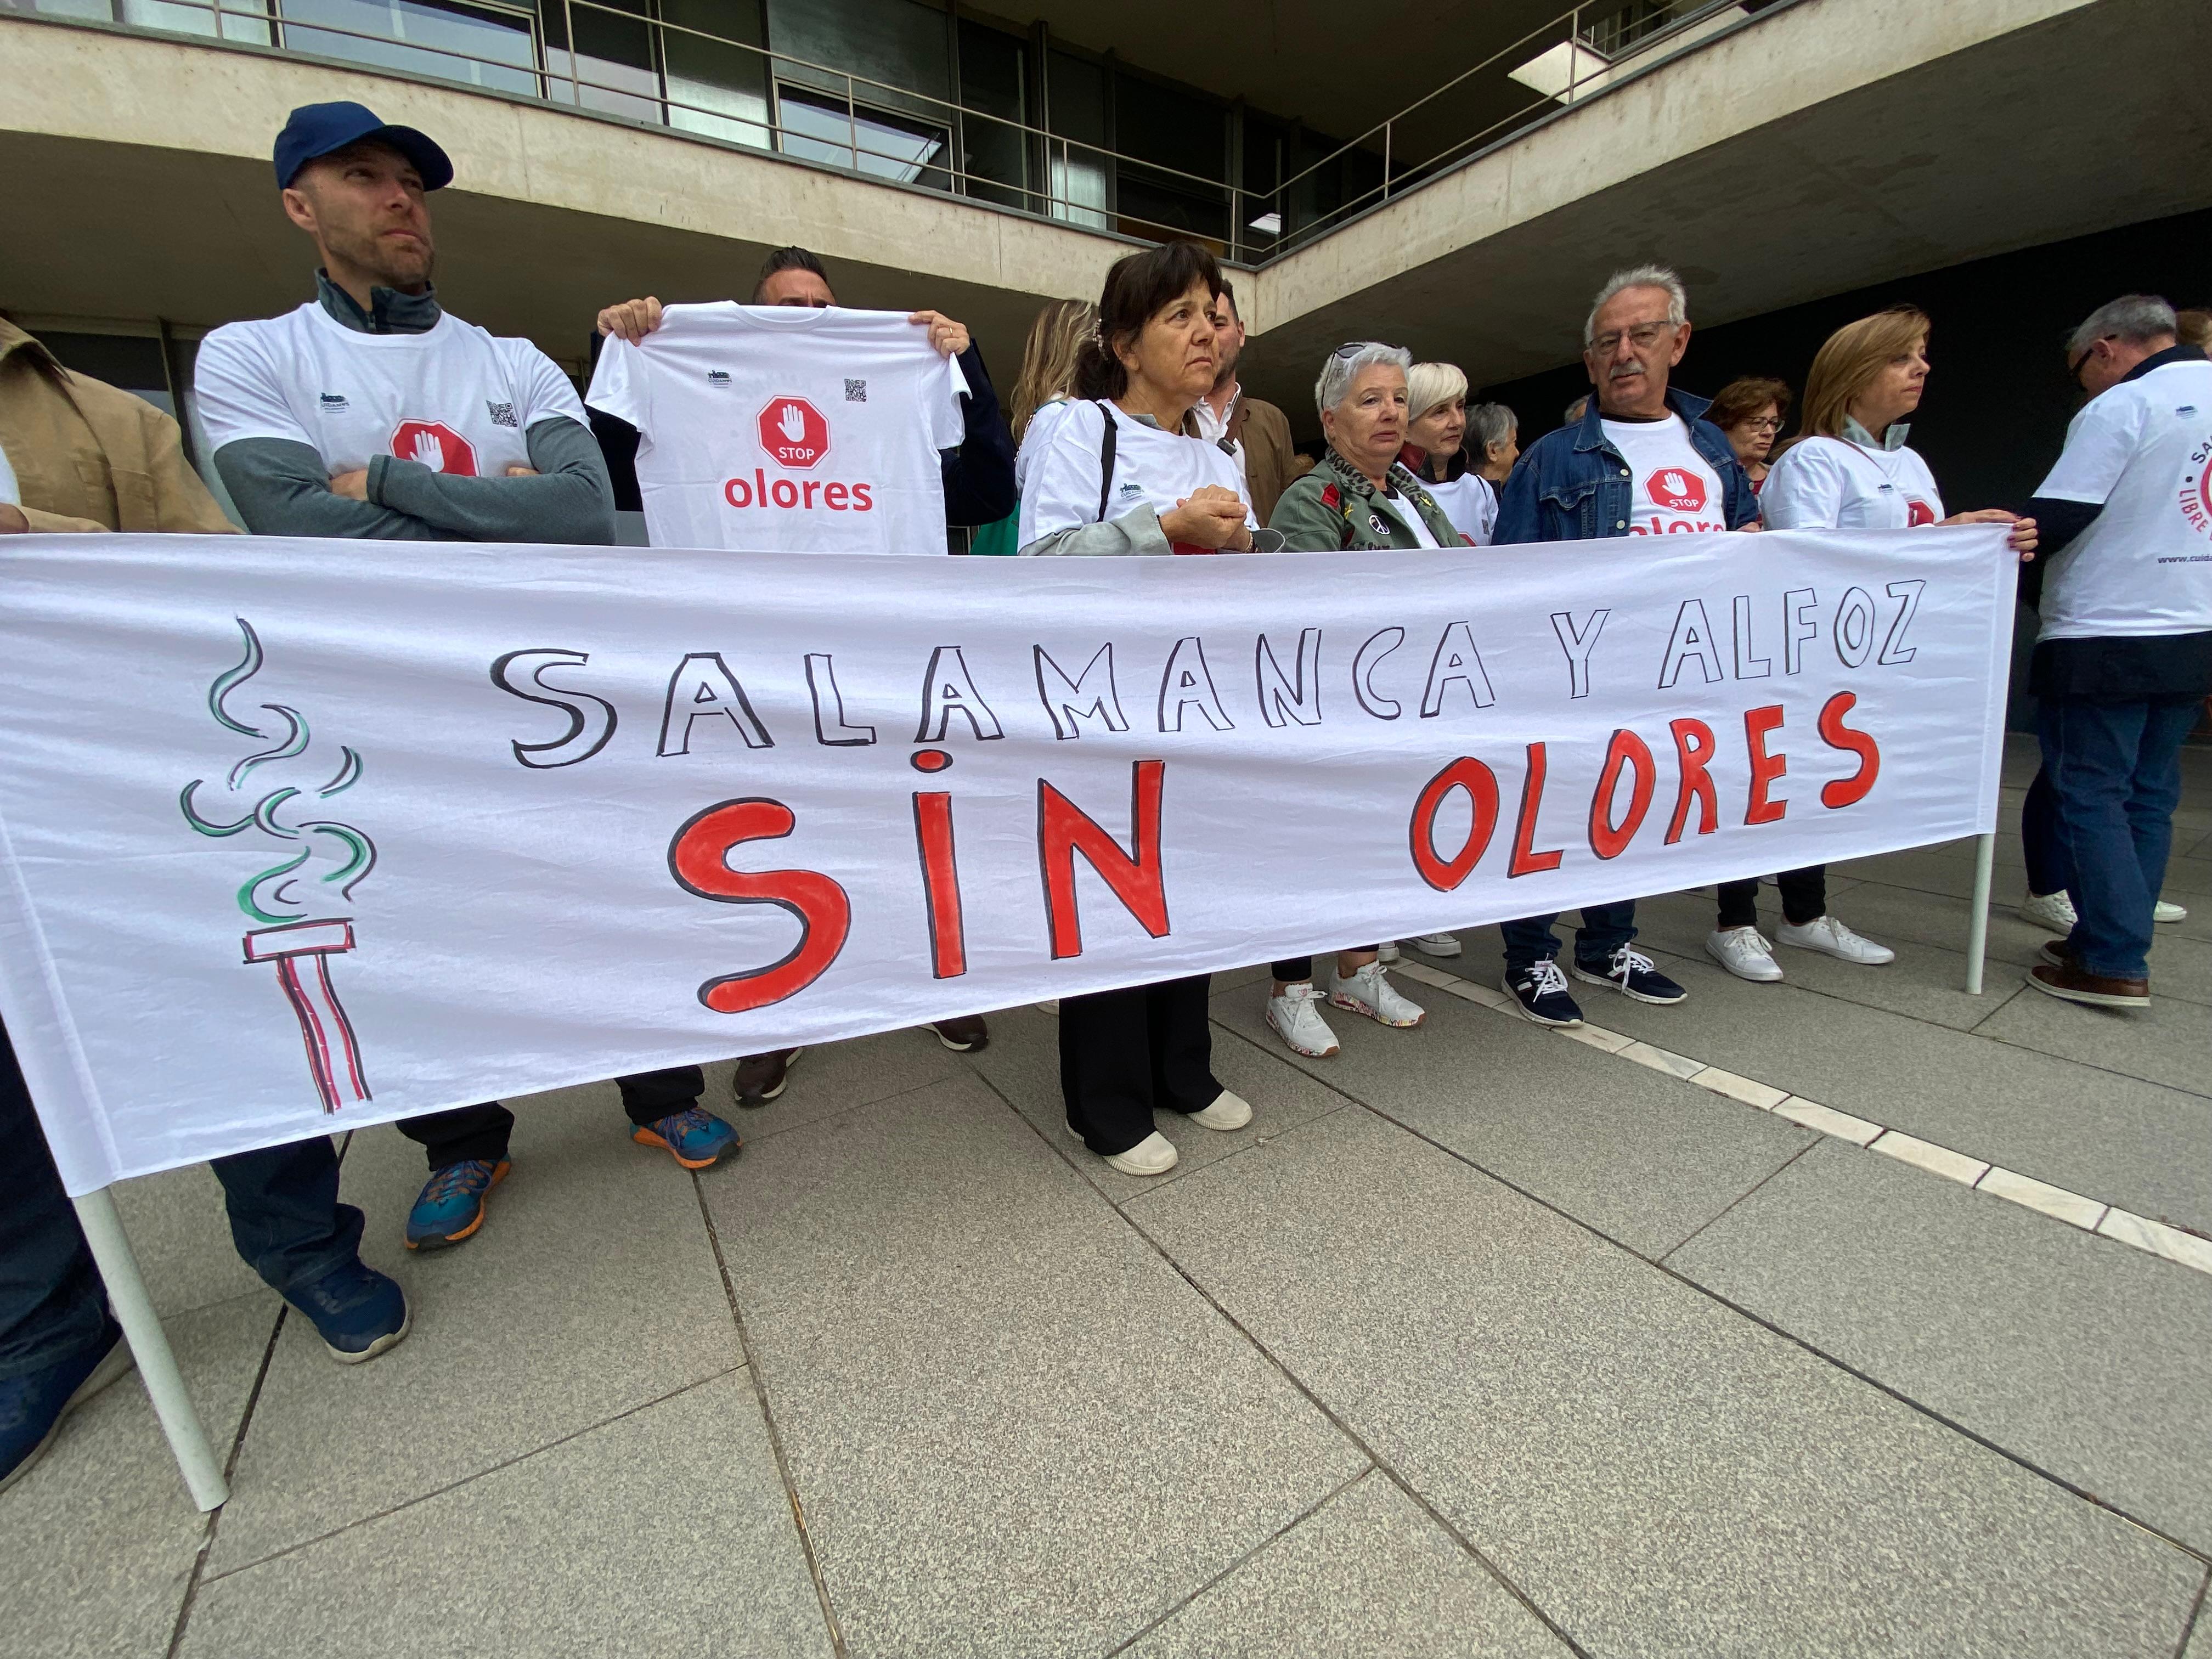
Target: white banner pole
1978 918
149 1346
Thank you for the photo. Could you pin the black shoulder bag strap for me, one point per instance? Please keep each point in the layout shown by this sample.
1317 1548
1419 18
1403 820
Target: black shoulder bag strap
1106 459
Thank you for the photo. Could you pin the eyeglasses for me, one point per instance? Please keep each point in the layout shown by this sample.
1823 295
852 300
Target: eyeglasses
1352 348
1643 337
2074 368
1764 423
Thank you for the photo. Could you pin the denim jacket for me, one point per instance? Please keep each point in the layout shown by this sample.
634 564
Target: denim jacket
1572 485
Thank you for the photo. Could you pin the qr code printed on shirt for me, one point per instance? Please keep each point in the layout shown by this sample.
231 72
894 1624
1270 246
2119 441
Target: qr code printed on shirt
501 414
856 391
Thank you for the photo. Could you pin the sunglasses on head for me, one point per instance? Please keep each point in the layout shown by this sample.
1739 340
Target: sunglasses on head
1352 348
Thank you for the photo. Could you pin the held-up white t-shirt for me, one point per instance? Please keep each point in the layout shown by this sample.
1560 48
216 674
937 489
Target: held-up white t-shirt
1833 484
787 427
2143 450
1470 501
1672 488
1151 468
454 397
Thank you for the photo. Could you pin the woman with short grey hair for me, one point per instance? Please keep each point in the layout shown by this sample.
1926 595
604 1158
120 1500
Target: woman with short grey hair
1359 499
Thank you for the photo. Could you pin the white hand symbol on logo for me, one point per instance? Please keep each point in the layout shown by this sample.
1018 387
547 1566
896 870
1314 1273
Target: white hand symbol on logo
792 423
430 451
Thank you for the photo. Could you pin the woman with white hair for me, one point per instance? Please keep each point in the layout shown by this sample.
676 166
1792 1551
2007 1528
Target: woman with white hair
1358 499
1435 450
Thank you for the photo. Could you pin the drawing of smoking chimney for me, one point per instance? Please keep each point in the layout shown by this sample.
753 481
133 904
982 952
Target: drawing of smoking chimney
284 896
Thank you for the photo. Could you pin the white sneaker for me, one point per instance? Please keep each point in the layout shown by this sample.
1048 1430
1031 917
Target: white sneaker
1369 992
1298 1022
2162 911
1229 1111
1386 951
1154 1155
1827 933
2053 912
1744 952
1436 945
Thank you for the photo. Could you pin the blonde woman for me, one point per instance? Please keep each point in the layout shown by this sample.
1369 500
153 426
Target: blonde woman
1048 377
1851 471
1436 449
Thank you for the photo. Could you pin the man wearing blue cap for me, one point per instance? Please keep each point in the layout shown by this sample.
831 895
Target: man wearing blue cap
373 412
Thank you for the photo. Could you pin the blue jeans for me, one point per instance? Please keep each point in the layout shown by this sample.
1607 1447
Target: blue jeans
1605 929
284 1218
2115 775
2049 869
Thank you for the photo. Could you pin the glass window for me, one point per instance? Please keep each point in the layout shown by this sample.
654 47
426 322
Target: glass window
895 43
994 80
718 89
889 146
485 46
612 68
1075 99
219 18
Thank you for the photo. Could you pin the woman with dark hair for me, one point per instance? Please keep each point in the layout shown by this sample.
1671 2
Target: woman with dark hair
1118 476
1750 410
1851 471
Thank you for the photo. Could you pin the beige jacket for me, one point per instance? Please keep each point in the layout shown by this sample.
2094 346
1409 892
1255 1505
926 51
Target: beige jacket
88 457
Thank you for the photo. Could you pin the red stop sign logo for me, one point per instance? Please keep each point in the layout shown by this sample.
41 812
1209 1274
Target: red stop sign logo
1677 489
1917 512
794 432
437 446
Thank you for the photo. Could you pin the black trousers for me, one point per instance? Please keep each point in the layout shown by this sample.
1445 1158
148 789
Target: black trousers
1123 1053
1295 970
1804 897
467 1132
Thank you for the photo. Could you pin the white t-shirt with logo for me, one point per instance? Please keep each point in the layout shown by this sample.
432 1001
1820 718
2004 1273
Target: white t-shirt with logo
1671 488
1151 468
2142 449
1833 484
787 427
1470 501
454 397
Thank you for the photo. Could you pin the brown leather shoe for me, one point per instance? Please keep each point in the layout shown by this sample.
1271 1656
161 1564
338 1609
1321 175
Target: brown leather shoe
2071 984
759 1079
964 1035
2058 953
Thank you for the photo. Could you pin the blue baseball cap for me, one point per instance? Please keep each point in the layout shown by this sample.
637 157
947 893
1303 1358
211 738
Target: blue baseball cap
318 129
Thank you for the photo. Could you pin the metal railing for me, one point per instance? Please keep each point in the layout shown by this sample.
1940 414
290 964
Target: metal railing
776 103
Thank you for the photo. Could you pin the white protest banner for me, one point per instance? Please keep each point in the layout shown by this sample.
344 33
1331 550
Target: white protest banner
303 835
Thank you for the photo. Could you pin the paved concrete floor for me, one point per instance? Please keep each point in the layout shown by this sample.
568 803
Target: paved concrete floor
1479 1340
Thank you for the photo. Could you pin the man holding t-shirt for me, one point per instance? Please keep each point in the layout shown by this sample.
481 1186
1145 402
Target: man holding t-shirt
1641 461
371 412
978 476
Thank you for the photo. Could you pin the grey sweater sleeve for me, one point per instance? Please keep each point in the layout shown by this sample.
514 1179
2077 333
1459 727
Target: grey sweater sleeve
281 489
1134 533
571 500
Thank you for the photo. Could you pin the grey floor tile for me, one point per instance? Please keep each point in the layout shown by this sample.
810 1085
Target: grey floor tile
1015 1429
2200 1644
100 1537
1642 1157
1660 1474
182 1240
665 1532
2092 1361
2168 1042
1023 1064
831 1078
591 1289
2088 1129
1371 1576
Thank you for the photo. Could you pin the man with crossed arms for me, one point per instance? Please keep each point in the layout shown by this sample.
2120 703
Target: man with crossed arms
372 412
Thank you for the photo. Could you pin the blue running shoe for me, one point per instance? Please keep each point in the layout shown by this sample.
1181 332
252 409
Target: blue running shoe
451 1206
32 1406
695 1137
356 1310
1539 991
1633 974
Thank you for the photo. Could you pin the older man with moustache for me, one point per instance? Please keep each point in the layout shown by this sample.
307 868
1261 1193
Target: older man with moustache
1641 461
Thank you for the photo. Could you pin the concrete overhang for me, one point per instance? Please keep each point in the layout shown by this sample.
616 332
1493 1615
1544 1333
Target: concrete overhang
135 182
1818 147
